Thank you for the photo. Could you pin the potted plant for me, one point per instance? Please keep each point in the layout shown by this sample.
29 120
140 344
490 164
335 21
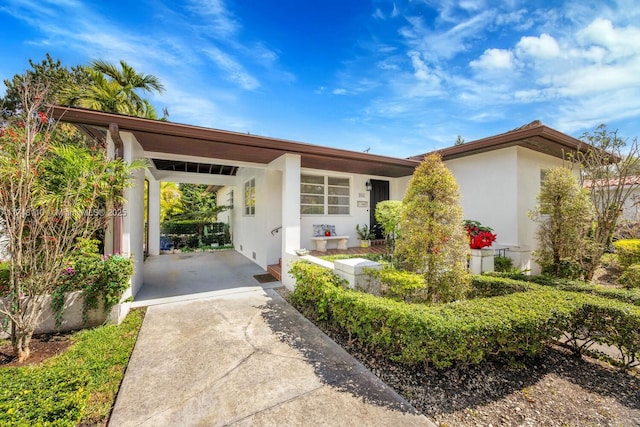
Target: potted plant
480 237
365 235
327 232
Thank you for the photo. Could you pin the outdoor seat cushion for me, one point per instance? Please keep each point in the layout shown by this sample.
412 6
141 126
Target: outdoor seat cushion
318 229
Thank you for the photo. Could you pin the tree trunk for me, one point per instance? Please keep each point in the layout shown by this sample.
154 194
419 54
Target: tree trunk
21 346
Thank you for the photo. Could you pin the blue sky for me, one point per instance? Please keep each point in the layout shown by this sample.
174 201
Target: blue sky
396 77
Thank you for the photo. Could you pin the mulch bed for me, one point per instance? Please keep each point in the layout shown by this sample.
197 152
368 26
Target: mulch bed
42 348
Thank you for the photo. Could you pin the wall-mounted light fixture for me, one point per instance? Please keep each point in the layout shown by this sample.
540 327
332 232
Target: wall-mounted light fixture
368 185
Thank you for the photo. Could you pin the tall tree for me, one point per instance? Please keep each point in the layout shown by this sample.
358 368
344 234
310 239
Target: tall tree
564 213
51 193
432 240
609 169
198 204
170 200
49 74
115 90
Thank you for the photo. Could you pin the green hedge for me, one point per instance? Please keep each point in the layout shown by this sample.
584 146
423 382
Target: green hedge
628 251
485 286
631 296
189 226
630 278
461 332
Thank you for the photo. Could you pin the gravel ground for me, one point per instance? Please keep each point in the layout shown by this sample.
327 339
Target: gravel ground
553 389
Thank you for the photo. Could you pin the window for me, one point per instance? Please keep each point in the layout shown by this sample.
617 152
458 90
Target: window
543 175
324 195
250 197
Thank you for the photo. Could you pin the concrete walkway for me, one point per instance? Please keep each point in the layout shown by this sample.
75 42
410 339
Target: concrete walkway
248 358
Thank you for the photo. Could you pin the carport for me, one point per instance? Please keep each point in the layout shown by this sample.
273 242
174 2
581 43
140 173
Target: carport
187 276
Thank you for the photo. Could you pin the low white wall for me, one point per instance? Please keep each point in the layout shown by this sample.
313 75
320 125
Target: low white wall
72 315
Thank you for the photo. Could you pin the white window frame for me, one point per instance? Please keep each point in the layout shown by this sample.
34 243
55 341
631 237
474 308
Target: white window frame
249 199
326 186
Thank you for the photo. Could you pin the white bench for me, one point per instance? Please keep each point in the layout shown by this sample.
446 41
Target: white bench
321 242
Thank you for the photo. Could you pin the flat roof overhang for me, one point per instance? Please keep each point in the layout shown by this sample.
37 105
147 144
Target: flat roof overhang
173 138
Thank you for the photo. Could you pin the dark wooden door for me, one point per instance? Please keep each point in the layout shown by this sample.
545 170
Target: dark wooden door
379 193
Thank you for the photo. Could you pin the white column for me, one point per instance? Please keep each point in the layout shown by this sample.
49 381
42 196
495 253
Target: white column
154 217
133 214
289 164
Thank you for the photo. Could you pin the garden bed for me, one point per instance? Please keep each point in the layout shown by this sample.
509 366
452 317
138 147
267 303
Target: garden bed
488 359
77 387
554 388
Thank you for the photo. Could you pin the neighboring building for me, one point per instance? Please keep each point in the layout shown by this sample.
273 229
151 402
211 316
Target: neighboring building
280 189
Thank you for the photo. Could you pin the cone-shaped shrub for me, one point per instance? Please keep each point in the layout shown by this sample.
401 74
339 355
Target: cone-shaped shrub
433 241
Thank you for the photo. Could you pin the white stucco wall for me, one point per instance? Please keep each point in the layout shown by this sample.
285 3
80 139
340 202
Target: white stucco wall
346 224
499 188
250 231
489 191
530 166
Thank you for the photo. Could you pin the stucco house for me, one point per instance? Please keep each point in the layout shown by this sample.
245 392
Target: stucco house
280 189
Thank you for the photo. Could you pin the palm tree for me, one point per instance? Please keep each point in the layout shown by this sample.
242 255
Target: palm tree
115 90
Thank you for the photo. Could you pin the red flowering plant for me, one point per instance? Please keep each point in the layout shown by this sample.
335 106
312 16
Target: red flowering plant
479 236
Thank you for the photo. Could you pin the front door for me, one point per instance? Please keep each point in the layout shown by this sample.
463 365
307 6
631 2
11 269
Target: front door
379 193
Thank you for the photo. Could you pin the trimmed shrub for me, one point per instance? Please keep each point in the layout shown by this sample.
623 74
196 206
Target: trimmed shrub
502 263
607 322
401 285
465 331
186 226
486 286
628 251
631 296
630 278
432 240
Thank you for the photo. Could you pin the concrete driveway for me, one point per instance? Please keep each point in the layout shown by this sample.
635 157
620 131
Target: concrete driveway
248 358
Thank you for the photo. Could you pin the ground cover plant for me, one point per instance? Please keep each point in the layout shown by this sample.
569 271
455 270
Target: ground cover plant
77 387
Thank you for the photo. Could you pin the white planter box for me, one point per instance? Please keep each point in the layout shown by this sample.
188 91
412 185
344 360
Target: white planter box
72 315
481 261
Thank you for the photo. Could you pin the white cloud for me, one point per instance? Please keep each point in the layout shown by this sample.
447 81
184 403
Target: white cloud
339 91
609 107
544 47
443 45
518 20
235 71
220 21
494 59
618 42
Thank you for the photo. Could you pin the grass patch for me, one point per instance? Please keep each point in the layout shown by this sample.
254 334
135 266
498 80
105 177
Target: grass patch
77 386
